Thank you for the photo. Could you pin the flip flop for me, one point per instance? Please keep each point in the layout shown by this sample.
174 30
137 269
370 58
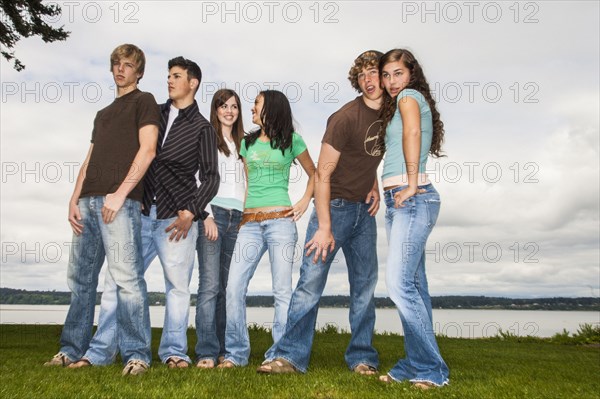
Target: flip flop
364 369
227 364
424 385
80 363
205 364
175 362
277 366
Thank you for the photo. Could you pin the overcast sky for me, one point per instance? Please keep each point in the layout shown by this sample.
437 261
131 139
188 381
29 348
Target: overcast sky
517 85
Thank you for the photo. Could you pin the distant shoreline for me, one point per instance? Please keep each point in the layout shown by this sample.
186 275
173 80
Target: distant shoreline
11 296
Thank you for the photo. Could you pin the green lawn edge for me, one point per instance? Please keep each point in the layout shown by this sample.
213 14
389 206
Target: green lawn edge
500 367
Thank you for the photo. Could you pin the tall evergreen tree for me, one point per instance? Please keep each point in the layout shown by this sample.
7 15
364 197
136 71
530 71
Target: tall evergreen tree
24 18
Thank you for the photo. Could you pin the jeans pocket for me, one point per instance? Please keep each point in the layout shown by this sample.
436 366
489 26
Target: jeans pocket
337 203
432 206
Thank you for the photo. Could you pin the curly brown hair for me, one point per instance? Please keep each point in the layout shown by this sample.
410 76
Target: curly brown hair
419 83
368 59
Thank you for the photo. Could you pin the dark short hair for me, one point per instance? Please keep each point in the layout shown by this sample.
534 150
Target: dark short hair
192 69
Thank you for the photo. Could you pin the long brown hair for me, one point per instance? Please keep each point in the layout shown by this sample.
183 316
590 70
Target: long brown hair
419 83
237 131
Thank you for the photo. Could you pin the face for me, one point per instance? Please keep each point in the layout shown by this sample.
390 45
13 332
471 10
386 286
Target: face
228 113
179 85
257 109
395 77
368 81
125 73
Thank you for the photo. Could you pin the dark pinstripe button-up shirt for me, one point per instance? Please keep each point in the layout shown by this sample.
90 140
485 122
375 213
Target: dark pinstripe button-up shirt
190 147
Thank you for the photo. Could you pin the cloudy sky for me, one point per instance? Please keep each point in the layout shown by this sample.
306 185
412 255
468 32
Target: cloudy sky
517 85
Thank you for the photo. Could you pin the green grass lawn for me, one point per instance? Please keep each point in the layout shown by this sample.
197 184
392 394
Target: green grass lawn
480 368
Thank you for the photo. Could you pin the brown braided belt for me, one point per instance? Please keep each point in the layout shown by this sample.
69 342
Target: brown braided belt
262 216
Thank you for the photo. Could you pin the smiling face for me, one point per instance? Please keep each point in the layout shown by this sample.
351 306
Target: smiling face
395 76
257 109
125 73
229 112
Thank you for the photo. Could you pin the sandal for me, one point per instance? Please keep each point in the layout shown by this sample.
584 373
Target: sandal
205 364
277 366
227 364
175 362
83 362
423 385
364 369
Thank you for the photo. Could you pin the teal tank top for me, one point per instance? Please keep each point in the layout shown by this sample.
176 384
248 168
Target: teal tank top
394 163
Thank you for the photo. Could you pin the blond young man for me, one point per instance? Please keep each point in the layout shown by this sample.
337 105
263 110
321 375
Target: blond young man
105 216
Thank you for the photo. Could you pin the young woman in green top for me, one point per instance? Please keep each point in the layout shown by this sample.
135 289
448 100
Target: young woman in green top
268 222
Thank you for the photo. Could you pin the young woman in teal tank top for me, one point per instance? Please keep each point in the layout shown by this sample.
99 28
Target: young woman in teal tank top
269 219
414 130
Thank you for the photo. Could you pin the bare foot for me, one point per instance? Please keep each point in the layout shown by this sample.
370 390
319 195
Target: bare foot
364 369
79 364
205 364
227 364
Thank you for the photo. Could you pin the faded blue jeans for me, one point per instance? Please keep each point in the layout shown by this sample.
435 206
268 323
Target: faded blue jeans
177 260
120 243
278 237
407 229
355 232
214 258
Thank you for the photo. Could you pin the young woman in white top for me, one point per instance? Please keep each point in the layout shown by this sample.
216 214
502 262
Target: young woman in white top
218 233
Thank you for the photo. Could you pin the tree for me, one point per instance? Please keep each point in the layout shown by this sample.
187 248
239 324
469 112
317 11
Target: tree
22 19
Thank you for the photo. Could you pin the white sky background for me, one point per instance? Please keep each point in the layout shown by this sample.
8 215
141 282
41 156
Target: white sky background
517 85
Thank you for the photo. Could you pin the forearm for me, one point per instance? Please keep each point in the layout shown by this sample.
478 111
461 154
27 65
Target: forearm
141 163
322 192
81 177
208 174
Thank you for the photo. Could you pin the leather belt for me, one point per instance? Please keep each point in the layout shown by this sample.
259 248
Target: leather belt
262 216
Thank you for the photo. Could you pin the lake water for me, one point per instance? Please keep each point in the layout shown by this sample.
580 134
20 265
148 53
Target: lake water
464 323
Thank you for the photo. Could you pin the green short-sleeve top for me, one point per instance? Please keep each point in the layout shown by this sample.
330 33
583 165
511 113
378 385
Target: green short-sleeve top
269 171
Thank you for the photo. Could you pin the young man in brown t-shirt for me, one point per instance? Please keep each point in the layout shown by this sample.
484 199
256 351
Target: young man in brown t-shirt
346 201
105 216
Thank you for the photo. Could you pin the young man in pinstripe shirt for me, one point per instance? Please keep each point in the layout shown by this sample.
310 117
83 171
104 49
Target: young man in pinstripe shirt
172 204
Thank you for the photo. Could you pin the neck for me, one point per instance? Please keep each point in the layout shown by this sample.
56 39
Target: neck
121 91
183 103
263 136
226 130
373 104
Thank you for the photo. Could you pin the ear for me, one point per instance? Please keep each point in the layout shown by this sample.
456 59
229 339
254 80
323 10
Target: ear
194 83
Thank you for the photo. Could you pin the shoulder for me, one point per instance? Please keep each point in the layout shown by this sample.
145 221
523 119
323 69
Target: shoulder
348 110
412 93
144 97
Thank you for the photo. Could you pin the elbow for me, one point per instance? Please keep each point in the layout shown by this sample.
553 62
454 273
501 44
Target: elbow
414 133
151 153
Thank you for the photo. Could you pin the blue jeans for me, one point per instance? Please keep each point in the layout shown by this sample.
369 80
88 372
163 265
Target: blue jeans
214 258
279 237
177 260
408 229
355 232
120 243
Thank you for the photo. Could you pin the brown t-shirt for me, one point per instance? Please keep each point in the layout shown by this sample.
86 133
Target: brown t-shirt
116 142
353 131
